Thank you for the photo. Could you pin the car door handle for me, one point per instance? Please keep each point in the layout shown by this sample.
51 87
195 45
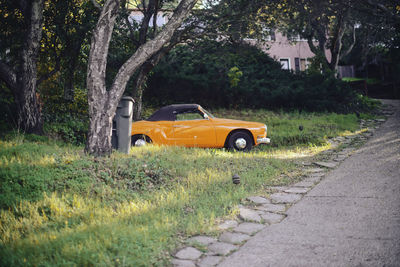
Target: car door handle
178 126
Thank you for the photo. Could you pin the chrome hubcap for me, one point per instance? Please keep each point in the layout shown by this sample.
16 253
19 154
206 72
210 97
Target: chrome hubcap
240 143
140 142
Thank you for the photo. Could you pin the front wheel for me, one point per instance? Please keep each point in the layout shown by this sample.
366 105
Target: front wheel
140 140
240 141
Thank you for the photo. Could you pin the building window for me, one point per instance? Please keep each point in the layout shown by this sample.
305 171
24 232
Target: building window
297 64
272 35
300 64
285 63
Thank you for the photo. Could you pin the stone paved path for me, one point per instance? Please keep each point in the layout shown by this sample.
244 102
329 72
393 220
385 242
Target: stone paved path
351 218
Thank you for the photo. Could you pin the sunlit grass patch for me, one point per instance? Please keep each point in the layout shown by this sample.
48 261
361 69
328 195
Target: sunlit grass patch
298 152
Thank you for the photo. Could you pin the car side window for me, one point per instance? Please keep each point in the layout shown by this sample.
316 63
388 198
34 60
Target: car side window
188 116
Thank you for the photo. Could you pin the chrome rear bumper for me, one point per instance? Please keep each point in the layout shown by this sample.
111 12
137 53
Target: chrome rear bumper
263 140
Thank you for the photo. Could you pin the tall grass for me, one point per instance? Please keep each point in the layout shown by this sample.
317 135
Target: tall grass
61 207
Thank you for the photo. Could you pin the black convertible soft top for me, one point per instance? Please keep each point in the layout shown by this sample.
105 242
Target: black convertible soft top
168 113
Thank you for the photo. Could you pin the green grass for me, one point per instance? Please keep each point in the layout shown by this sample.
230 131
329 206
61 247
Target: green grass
61 207
369 80
283 127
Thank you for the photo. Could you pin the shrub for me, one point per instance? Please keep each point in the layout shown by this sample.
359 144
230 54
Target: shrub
218 74
7 110
364 103
68 129
66 120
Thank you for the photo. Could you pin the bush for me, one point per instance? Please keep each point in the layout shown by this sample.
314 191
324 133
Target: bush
365 104
68 129
218 74
8 110
66 120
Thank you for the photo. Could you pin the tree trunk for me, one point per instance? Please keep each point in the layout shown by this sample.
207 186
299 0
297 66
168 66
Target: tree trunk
138 106
69 91
336 46
23 82
30 116
100 116
140 82
100 128
138 94
29 111
103 103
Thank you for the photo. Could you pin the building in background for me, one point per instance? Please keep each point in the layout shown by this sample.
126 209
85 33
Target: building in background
293 54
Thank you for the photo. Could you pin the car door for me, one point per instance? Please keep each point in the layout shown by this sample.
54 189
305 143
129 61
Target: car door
164 132
192 129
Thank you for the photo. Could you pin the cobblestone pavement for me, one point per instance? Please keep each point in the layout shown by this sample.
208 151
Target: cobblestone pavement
346 212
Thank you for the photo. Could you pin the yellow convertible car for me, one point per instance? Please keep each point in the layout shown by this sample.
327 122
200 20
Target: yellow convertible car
190 125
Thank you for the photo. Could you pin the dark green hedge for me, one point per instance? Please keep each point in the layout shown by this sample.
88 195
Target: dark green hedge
216 74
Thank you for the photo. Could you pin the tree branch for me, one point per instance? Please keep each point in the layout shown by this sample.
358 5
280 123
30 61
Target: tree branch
313 48
320 51
351 46
384 9
336 39
156 8
138 6
129 24
147 50
144 27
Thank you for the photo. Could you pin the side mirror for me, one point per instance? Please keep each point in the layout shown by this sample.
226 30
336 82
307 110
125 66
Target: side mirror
205 116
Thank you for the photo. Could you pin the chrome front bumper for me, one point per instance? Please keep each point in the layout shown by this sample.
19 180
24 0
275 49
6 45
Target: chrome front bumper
263 140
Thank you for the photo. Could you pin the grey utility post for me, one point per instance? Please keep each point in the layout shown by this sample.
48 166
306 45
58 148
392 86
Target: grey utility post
122 125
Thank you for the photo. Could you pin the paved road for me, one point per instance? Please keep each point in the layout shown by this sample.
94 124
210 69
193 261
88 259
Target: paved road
352 218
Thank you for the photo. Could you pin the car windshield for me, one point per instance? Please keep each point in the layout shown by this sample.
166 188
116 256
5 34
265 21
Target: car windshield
208 113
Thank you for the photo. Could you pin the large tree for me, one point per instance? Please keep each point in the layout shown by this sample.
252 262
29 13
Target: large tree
102 101
22 22
328 24
377 32
323 24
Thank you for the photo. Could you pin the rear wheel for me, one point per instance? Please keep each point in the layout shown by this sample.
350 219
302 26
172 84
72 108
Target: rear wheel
140 140
240 141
